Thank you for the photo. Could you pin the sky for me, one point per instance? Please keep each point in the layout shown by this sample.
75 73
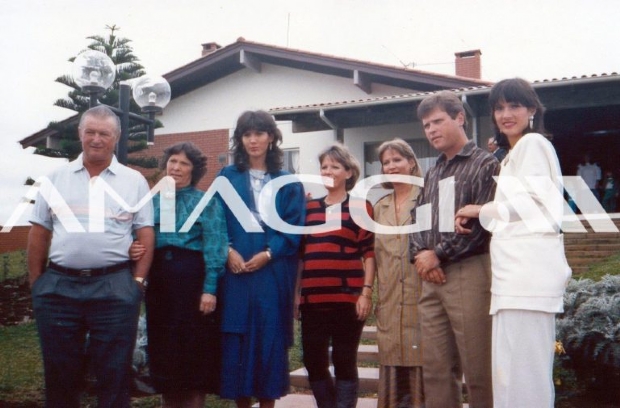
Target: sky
533 39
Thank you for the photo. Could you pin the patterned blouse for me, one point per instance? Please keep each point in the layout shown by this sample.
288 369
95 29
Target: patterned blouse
207 235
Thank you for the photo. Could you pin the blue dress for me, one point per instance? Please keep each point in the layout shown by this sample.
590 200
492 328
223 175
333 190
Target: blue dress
257 307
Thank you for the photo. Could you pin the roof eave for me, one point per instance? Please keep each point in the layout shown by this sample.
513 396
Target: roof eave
228 59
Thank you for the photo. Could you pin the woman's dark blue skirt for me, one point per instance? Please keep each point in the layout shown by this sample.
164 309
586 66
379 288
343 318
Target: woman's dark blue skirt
183 344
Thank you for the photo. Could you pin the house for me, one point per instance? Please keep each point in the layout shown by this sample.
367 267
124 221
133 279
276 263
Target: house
319 99
582 115
208 95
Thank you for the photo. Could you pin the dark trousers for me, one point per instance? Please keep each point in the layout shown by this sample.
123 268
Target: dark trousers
67 308
338 325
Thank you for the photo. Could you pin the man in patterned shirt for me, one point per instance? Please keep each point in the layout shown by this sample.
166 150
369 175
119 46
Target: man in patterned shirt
455 269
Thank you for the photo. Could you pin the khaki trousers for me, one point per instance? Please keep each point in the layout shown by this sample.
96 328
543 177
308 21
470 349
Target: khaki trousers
456 335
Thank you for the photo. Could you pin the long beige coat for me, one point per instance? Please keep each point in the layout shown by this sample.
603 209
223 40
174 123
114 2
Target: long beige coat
399 286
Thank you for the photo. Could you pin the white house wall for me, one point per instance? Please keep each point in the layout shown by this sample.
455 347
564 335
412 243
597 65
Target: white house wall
218 104
355 138
311 144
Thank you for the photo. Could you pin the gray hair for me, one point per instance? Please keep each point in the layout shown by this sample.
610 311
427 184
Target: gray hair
102 112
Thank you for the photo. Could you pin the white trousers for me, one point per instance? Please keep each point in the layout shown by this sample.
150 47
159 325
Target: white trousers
523 346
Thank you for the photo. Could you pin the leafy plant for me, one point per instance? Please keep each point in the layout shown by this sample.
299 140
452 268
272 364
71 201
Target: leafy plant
146 162
589 329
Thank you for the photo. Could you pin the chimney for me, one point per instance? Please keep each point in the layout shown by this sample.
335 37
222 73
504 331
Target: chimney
209 48
467 64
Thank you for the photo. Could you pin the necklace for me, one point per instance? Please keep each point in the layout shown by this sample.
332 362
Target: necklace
257 179
399 202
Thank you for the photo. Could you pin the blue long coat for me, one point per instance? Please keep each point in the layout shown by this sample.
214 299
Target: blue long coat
257 307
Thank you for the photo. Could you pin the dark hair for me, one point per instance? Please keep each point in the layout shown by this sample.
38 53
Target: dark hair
193 153
517 90
342 155
263 122
101 112
404 149
445 100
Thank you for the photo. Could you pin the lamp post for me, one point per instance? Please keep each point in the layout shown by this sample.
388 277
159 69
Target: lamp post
94 72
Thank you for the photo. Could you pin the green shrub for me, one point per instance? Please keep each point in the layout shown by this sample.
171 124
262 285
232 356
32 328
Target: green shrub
146 162
589 329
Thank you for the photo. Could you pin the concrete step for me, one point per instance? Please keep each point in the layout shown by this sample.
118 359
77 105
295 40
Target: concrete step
369 378
369 333
307 401
368 353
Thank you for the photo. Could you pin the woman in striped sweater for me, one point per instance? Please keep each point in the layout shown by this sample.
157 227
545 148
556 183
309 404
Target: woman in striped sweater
336 281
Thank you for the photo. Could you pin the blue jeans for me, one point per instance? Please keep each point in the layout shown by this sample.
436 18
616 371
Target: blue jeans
66 309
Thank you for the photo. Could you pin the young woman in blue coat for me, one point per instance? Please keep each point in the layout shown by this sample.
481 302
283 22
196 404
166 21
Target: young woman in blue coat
257 290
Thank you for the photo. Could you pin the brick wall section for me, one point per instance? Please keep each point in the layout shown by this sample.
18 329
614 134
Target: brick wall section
467 64
213 143
15 240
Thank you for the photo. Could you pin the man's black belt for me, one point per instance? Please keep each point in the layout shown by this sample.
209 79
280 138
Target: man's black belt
92 271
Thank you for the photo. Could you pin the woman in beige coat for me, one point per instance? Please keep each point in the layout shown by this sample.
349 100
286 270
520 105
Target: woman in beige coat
398 323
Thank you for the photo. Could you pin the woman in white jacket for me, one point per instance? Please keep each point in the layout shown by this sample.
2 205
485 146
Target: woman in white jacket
529 266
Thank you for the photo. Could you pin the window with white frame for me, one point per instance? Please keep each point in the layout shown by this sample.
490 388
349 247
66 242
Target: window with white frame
291 161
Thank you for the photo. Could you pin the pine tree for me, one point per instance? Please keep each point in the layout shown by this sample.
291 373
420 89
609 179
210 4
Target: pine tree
127 67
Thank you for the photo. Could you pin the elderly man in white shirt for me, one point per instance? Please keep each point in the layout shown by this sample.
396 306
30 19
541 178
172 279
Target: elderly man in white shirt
89 287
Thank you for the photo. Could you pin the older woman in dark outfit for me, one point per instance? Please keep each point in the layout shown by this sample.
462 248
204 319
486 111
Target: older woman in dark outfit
183 328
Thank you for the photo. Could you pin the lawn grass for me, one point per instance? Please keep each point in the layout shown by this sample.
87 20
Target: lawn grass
21 369
21 372
609 266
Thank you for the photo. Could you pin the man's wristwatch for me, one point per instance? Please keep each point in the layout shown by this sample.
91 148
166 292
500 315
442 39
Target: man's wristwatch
141 281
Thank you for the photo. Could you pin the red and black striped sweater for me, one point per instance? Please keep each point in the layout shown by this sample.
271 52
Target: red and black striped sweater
333 270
